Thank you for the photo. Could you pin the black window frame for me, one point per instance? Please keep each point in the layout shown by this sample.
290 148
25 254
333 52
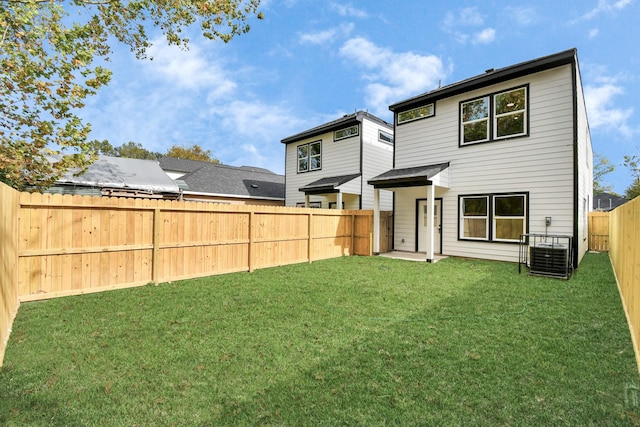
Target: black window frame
492 120
491 216
308 157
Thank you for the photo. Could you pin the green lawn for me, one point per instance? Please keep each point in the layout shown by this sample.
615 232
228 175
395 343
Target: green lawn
350 341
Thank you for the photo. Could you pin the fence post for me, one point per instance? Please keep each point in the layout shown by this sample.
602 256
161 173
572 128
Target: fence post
310 238
156 245
251 238
353 232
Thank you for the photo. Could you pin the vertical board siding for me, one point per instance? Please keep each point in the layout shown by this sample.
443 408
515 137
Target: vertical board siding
624 223
9 302
69 245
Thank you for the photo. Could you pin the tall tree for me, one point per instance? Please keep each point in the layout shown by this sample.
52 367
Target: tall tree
633 163
134 150
194 152
601 167
47 69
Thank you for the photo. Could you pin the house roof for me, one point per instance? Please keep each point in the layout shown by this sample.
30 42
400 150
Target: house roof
346 120
121 172
243 181
181 165
328 184
607 202
491 76
408 177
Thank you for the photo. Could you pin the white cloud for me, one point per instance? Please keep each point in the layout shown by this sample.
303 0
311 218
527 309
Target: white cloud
605 6
485 36
349 10
454 24
593 32
189 69
392 76
600 99
523 15
327 36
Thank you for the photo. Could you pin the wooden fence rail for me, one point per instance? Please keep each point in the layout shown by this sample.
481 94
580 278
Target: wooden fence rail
624 228
54 245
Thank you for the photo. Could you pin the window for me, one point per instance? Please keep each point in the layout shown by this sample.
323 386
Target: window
310 156
510 118
509 217
385 137
475 121
416 113
493 117
493 217
345 133
475 217
313 205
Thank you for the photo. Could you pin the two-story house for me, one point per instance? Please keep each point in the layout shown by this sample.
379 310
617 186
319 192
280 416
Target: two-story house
479 162
328 166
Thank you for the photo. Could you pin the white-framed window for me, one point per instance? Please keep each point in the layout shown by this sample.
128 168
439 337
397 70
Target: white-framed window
346 133
474 217
493 217
310 156
510 113
493 117
509 217
475 120
416 113
385 137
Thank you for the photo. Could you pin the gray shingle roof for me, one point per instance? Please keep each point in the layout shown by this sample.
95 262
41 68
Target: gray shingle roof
607 202
243 181
181 165
329 183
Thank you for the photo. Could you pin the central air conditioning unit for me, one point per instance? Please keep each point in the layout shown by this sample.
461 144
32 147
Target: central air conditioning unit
547 255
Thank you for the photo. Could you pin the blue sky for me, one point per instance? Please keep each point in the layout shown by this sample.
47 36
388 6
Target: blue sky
311 61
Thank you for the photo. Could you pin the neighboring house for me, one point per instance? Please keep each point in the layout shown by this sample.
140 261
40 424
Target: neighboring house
479 162
328 166
607 202
119 176
206 181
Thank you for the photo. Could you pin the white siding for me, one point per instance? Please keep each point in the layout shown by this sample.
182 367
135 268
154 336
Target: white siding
377 158
585 172
343 158
540 164
338 158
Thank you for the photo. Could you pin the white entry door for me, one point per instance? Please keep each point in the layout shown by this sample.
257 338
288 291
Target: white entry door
423 220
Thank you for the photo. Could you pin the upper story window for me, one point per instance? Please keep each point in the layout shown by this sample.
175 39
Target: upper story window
345 133
493 117
510 117
310 156
475 120
385 137
416 113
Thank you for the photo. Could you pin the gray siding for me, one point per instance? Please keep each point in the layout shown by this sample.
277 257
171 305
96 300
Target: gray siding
377 158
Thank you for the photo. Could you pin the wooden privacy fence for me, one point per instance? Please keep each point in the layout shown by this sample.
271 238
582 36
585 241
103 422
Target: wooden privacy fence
8 257
624 252
599 231
74 244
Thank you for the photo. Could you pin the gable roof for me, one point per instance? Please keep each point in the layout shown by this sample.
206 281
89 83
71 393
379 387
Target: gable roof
490 77
607 202
123 173
344 121
243 181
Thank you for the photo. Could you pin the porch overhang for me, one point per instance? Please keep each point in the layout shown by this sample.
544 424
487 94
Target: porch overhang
408 177
328 185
